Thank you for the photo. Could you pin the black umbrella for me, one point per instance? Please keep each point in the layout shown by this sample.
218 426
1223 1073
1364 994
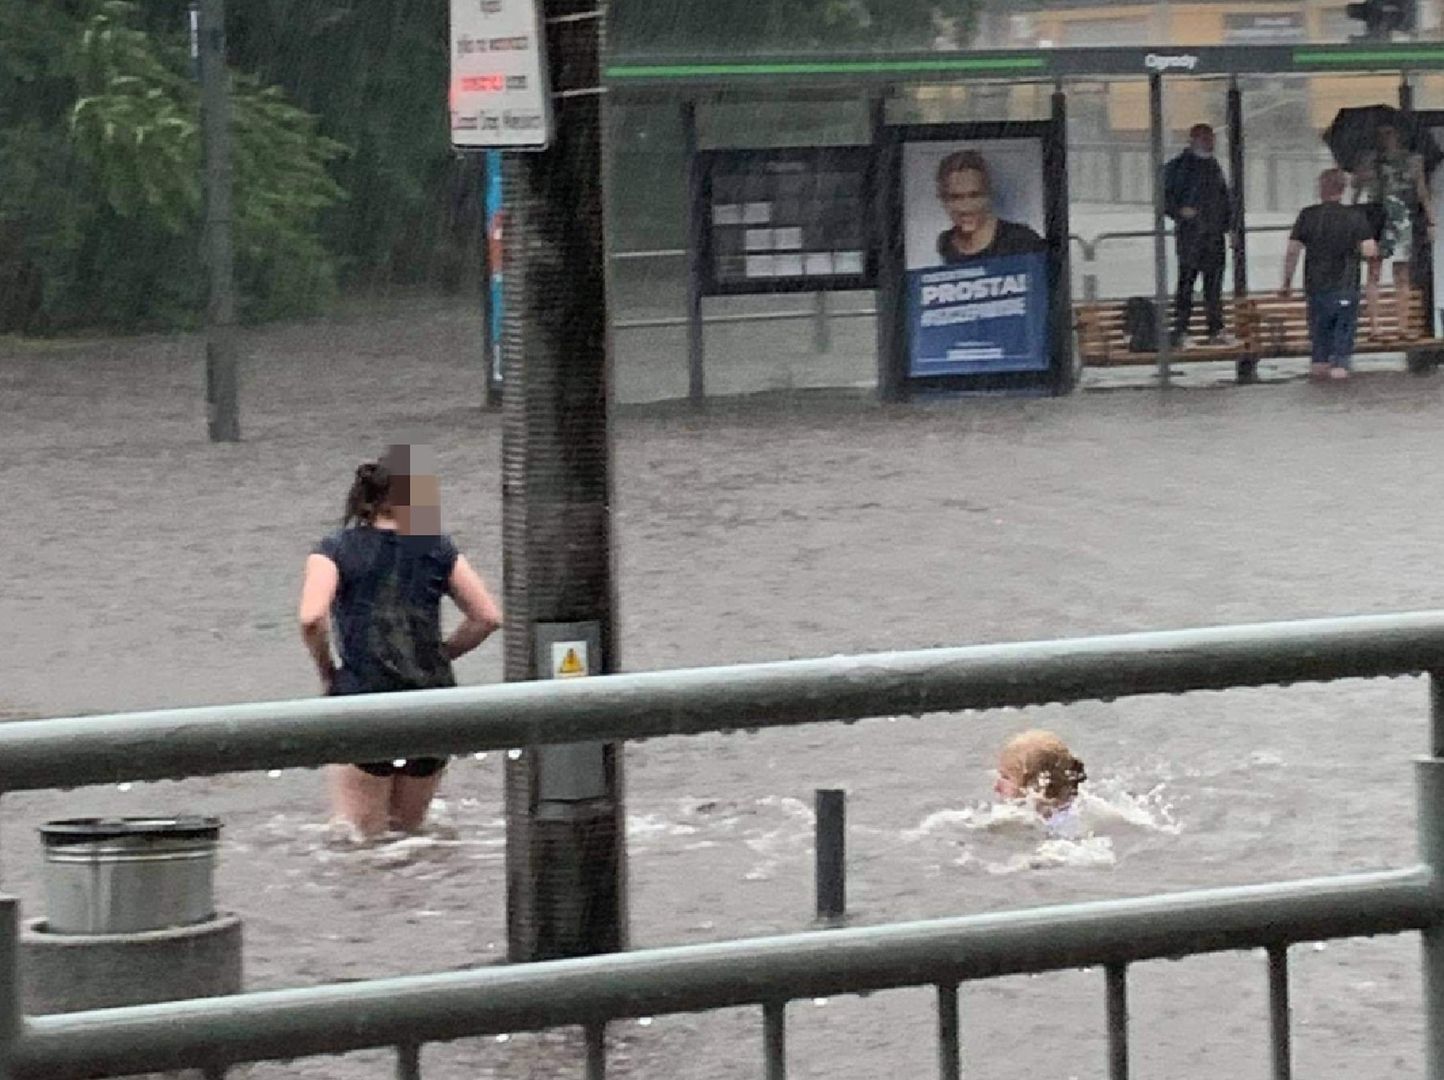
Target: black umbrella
1354 135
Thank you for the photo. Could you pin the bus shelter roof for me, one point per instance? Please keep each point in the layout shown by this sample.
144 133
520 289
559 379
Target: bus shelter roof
671 77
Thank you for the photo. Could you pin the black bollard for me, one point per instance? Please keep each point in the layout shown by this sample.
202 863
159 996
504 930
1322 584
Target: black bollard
831 855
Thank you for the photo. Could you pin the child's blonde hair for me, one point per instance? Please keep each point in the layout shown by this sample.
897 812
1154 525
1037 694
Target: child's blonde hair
1039 761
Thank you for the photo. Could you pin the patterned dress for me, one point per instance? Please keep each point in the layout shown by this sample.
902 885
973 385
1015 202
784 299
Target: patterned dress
1393 185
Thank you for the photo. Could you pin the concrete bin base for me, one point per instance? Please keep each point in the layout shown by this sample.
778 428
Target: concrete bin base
72 972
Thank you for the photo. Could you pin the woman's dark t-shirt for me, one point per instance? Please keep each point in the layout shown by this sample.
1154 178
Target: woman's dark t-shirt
387 611
1331 234
1010 238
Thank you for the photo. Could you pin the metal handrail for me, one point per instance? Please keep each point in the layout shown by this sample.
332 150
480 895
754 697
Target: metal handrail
407 1012
1087 244
217 739
1089 247
591 992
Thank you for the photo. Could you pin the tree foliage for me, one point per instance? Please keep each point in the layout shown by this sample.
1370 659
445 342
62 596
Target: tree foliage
101 170
100 187
788 26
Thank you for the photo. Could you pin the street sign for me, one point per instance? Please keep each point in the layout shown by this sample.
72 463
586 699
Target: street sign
500 95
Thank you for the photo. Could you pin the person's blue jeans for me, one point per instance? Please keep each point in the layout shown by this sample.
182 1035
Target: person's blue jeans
1333 326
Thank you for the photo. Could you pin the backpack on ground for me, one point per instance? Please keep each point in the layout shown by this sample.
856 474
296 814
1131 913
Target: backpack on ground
1140 324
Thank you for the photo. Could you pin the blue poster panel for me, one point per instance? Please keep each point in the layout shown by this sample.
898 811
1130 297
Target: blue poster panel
492 209
977 282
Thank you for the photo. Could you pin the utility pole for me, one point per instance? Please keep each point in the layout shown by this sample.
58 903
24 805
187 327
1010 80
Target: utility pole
222 389
564 806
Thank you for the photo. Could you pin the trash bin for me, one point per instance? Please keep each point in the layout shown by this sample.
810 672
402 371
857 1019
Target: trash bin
129 875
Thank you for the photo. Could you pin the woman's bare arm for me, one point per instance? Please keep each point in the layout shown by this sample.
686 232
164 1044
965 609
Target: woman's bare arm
481 615
318 590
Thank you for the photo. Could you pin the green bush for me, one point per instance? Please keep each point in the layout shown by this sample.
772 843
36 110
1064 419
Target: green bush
100 170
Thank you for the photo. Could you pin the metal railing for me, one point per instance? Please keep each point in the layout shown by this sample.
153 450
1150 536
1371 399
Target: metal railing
1088 249
406 1013
823 314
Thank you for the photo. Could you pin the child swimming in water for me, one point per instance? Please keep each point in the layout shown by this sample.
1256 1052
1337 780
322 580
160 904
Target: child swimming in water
1037 767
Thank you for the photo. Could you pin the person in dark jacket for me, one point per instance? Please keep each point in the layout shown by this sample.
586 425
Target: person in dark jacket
1197 198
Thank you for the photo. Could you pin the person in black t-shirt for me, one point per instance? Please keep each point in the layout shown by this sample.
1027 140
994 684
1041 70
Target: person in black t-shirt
380 579
1335 237
965 188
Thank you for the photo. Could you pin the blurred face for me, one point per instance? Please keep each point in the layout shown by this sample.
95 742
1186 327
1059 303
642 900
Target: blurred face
965 197
1389 139
1203 142
415 491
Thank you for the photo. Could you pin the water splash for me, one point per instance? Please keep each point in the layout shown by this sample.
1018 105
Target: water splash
1082 837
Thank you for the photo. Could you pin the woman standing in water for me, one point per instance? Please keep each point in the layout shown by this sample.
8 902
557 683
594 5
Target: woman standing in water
1393 181
380 580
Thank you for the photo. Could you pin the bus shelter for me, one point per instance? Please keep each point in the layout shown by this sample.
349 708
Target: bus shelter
815 219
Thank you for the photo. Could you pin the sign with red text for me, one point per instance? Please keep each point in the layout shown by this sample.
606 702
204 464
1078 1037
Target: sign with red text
500 97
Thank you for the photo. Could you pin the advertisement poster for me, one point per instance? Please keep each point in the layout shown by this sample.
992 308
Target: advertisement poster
976 294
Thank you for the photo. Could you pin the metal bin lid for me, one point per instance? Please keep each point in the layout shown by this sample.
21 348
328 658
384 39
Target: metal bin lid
89 830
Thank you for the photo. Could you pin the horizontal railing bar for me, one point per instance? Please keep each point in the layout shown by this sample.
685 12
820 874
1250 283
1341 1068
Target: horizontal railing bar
656 253
660 323
1147 234
738 317
671 321
678 253
496 1000
43 754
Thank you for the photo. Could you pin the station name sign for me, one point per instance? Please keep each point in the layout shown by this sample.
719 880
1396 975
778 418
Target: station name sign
500 96
1162 62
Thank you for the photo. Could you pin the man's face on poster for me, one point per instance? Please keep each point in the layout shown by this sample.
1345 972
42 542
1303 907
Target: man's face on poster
965 196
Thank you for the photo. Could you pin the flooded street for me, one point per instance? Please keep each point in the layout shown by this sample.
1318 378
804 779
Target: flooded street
148 568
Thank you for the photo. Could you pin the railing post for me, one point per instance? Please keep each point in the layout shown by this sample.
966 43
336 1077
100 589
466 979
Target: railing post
831 855
821 325
11 1006
1117 1011
408 1062
1279 1019
1160 229
1436 714
696 236
950 1064
1431 849
595 1036
774 1040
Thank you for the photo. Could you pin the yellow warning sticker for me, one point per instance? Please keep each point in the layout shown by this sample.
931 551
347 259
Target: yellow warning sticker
569 659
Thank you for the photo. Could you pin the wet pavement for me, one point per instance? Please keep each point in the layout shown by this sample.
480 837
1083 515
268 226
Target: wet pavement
150 569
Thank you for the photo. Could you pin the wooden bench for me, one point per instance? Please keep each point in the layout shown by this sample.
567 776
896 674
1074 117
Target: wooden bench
1103 341
1265 326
